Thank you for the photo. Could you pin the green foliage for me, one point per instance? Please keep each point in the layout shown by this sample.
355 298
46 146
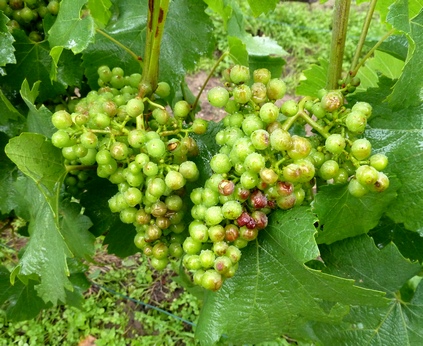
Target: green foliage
333 269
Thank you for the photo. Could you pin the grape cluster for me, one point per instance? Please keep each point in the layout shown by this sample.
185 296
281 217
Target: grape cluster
262 165
137 144
28 15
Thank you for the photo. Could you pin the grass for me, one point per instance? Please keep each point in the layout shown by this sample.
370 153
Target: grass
303 31
118 309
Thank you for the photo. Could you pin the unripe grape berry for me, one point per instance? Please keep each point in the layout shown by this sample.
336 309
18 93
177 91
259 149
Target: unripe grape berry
181 109
135 107
300 147
361 149
189 170
156 148
104 73
220 163
162 90
175 250
366 175
332 101
381 184
239 74
222 264
156 187
213 215
329 170
159 264
254 162
198 231
276 89
280 140
335 144
61 120
364 108
269 112
356 122
289 108
341 177
161 116
261 75
207 258
191 246
199 126
218 96
119 151
61 139
242 93
249 180
356 189
318 111
175 180
259 93
216 233
379 161
231 210
269 176
211 280
260 139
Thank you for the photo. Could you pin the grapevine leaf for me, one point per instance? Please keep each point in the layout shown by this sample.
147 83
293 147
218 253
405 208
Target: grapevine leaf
409 243
7 173
407 91
238 51
39 160
359 259
20 301
259 7
74 229
315 80
46 252
336 207
396 45
273 292
120 239
33 63
398 134
70 30
183 42
38 120
398 323
222 8
100 10
7 50
11 121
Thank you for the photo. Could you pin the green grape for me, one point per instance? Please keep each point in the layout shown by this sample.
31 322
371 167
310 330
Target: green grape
159 264
258 93
379 161
281 140
366 175
218 96
127 215
155 147
335 144
318 111
289 108
181 109
300 147
261 75
191 246
175 250
363 108
276 89
61 120
61 139
119 151
239 74
135 107
231 210
220 163
156 187
249 180
341 177
332 101
162 90
361 149
53 7
199 126
216 233
269 112
211 280
356 122
150 169
222 264
242 93
189 170
329 170
381 184
213 215
175 180
260 139
254 162
136 138
356 189
160 250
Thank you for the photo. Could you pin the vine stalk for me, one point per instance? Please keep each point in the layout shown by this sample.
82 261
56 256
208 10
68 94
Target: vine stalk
157 13
339 33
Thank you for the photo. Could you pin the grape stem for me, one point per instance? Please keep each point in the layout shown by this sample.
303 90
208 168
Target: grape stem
363 34
339 33
79 168
197 99
313 124
121 45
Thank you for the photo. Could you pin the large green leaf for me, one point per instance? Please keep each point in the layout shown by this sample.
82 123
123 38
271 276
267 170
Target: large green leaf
33 62
407 91
70 30
7 176
38 120
264 6
399 134
19 301
183 43
400 322
57 232
336 207
409 243
7 55
273 292
314 80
